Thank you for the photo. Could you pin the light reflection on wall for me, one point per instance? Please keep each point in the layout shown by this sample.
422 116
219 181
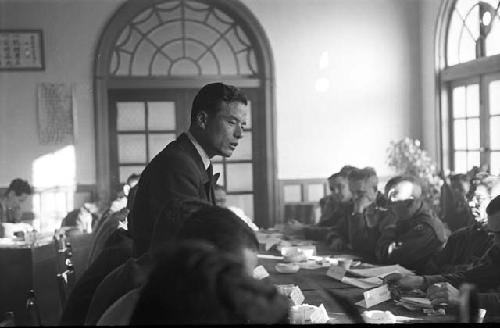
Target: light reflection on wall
54 182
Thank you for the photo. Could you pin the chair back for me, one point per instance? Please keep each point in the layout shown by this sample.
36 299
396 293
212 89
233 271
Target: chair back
33 309
66 278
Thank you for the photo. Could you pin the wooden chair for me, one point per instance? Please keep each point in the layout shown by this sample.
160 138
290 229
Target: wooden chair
65 279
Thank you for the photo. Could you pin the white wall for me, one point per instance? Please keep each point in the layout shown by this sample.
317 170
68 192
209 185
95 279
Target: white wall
374 93
70 30
374 76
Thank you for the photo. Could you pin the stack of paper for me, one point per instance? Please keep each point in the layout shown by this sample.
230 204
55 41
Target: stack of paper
293 292
260 273
380 271
364 283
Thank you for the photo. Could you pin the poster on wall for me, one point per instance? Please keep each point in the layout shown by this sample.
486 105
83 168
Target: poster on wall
56 114
21 50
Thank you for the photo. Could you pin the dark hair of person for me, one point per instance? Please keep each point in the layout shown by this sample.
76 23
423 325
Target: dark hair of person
367 173
494 206
337 175
400 178
221 227
347 169
210 97
460 177
194 283
19 187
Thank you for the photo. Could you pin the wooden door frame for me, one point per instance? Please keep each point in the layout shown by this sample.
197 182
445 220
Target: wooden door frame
264 82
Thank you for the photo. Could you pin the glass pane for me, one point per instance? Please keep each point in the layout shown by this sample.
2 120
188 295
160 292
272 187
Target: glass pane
158 141
244 149
493 39
130 116
292 193
473 159
495 132
126 171
459 136
494 92
472 22
459 102
495 163
467 49
219 168
131 148
239 177
473 133
460 162
242 202
453 35
473 100
315 192
161 115
249 115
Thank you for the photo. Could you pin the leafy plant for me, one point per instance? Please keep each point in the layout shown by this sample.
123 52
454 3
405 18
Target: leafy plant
406 157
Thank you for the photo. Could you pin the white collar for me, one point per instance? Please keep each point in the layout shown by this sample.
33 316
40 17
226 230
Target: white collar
204 157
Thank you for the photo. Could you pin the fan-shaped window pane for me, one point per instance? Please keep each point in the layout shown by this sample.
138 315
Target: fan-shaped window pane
179 38
493 39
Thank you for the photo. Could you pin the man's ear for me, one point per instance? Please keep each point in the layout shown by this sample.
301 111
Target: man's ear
202 119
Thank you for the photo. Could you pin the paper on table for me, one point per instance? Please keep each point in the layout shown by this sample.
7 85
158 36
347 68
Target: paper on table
270 257
422 301
380 271
364 283
260 273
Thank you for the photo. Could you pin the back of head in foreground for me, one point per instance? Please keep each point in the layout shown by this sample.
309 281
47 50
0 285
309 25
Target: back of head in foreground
195 283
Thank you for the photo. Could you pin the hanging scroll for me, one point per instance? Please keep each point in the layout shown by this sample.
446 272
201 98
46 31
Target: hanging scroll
56 120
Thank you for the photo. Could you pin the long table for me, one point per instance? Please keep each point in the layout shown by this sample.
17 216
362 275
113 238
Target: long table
313 284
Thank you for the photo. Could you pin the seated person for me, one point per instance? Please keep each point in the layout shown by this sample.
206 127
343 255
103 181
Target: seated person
80 220
360 230
121 203
485 276
456 212
334 205
115 221
219 226
197 284
221 200
465 247
10 204
117 249
417 233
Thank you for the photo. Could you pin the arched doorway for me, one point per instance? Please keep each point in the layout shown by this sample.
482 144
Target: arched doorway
151 59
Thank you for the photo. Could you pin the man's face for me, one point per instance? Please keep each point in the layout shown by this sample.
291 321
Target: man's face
340 189
16 201
225 129
401 200
362 189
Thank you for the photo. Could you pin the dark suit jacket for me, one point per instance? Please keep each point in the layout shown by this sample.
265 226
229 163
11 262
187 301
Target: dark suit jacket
176 173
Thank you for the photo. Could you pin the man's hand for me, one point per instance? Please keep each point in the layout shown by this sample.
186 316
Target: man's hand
361 204
442 293
404 281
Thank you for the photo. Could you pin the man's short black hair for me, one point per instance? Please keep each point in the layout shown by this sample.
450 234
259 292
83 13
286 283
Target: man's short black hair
212 95
133 176
19 187
221 227
195 283
494 206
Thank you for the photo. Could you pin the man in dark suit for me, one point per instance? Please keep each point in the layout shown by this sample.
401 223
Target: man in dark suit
182 170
